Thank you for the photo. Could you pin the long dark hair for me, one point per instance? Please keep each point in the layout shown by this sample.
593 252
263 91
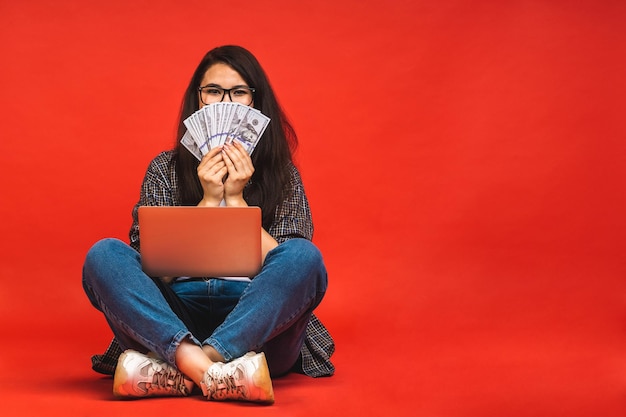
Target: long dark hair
272 156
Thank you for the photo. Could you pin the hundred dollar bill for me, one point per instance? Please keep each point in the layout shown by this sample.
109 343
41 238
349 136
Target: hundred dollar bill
191 145
196 124
217 138
218 123
250 129
238 115
191 129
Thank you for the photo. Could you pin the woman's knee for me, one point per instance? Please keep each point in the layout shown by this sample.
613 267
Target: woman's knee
98 255
103 255
105 267
305 252
304 256
104 250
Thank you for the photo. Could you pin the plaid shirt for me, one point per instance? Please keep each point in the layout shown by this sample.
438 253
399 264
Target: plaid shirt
160 188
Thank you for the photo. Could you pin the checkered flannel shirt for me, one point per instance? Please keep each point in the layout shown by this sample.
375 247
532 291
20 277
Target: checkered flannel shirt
160 188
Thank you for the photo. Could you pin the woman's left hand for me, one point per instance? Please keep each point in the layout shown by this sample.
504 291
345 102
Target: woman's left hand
240 170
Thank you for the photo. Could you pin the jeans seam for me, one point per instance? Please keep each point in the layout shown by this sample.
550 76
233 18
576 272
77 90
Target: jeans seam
172 346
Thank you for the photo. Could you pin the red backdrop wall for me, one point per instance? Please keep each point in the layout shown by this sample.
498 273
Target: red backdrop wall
464 163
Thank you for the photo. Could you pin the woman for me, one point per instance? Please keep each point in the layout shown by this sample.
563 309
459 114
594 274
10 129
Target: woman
204 332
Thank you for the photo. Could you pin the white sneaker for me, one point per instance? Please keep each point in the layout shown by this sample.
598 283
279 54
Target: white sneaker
138 375
246 379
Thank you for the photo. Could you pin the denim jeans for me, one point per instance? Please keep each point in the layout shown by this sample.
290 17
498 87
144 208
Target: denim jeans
270 313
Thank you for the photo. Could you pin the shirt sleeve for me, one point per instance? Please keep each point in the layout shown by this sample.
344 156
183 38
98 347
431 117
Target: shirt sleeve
293 217
156 190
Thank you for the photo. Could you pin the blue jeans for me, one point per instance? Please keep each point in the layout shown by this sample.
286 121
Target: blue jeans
269 313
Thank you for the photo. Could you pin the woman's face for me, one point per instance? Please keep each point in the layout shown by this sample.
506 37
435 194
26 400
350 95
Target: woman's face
220 77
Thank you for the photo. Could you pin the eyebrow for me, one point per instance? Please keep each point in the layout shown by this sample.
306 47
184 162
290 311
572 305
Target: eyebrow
219 86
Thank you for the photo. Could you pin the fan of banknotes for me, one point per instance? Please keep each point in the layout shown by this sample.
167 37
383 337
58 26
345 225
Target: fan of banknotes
223 122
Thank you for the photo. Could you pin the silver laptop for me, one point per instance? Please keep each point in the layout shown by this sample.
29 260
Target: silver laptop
200 241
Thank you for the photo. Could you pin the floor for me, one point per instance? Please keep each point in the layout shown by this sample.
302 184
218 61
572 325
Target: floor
464 162
457 346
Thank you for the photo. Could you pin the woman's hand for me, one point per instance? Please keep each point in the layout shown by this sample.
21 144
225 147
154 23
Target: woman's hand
211 172
240 170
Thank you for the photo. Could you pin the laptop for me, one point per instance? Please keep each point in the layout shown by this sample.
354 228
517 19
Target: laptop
200 241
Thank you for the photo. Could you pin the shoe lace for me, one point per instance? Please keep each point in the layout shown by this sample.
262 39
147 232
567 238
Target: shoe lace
224 384
169 379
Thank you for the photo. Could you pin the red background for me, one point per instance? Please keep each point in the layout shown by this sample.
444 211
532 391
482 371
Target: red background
464 162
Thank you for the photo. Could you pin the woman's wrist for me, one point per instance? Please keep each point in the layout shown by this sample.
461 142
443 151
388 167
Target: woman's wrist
209 202
235 201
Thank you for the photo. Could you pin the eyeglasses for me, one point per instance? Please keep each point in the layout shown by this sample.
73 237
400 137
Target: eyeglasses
214 94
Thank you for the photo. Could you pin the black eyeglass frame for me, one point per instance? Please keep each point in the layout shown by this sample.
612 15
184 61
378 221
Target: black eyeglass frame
226 90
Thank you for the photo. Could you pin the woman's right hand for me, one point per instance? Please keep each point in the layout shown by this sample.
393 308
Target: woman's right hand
211 172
